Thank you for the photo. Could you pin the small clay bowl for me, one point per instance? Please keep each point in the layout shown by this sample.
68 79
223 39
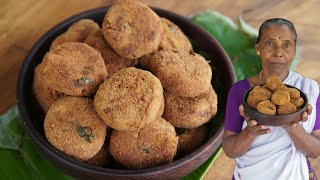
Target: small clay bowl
275 120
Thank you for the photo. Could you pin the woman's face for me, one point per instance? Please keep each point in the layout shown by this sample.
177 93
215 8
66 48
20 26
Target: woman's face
276 49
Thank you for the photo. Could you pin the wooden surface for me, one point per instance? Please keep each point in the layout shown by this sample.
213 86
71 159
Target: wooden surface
22 23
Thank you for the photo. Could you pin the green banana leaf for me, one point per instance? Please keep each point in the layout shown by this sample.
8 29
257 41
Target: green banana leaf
238 41
19 158
7 140
13 166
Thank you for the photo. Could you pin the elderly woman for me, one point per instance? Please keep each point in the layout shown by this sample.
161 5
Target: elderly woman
263 152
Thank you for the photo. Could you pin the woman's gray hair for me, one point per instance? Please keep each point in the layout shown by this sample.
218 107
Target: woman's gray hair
276 21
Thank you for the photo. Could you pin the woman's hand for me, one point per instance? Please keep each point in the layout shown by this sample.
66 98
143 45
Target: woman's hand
253 127
304 118
237 144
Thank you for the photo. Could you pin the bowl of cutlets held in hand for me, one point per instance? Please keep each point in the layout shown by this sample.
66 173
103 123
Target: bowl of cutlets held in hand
120 92
275 103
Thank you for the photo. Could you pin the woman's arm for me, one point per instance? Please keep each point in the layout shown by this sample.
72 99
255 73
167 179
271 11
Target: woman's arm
234 144
308 144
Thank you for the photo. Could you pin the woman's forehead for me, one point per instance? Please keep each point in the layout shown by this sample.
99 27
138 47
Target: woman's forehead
280 32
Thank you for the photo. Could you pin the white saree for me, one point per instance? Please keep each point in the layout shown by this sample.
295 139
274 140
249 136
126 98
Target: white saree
274 156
